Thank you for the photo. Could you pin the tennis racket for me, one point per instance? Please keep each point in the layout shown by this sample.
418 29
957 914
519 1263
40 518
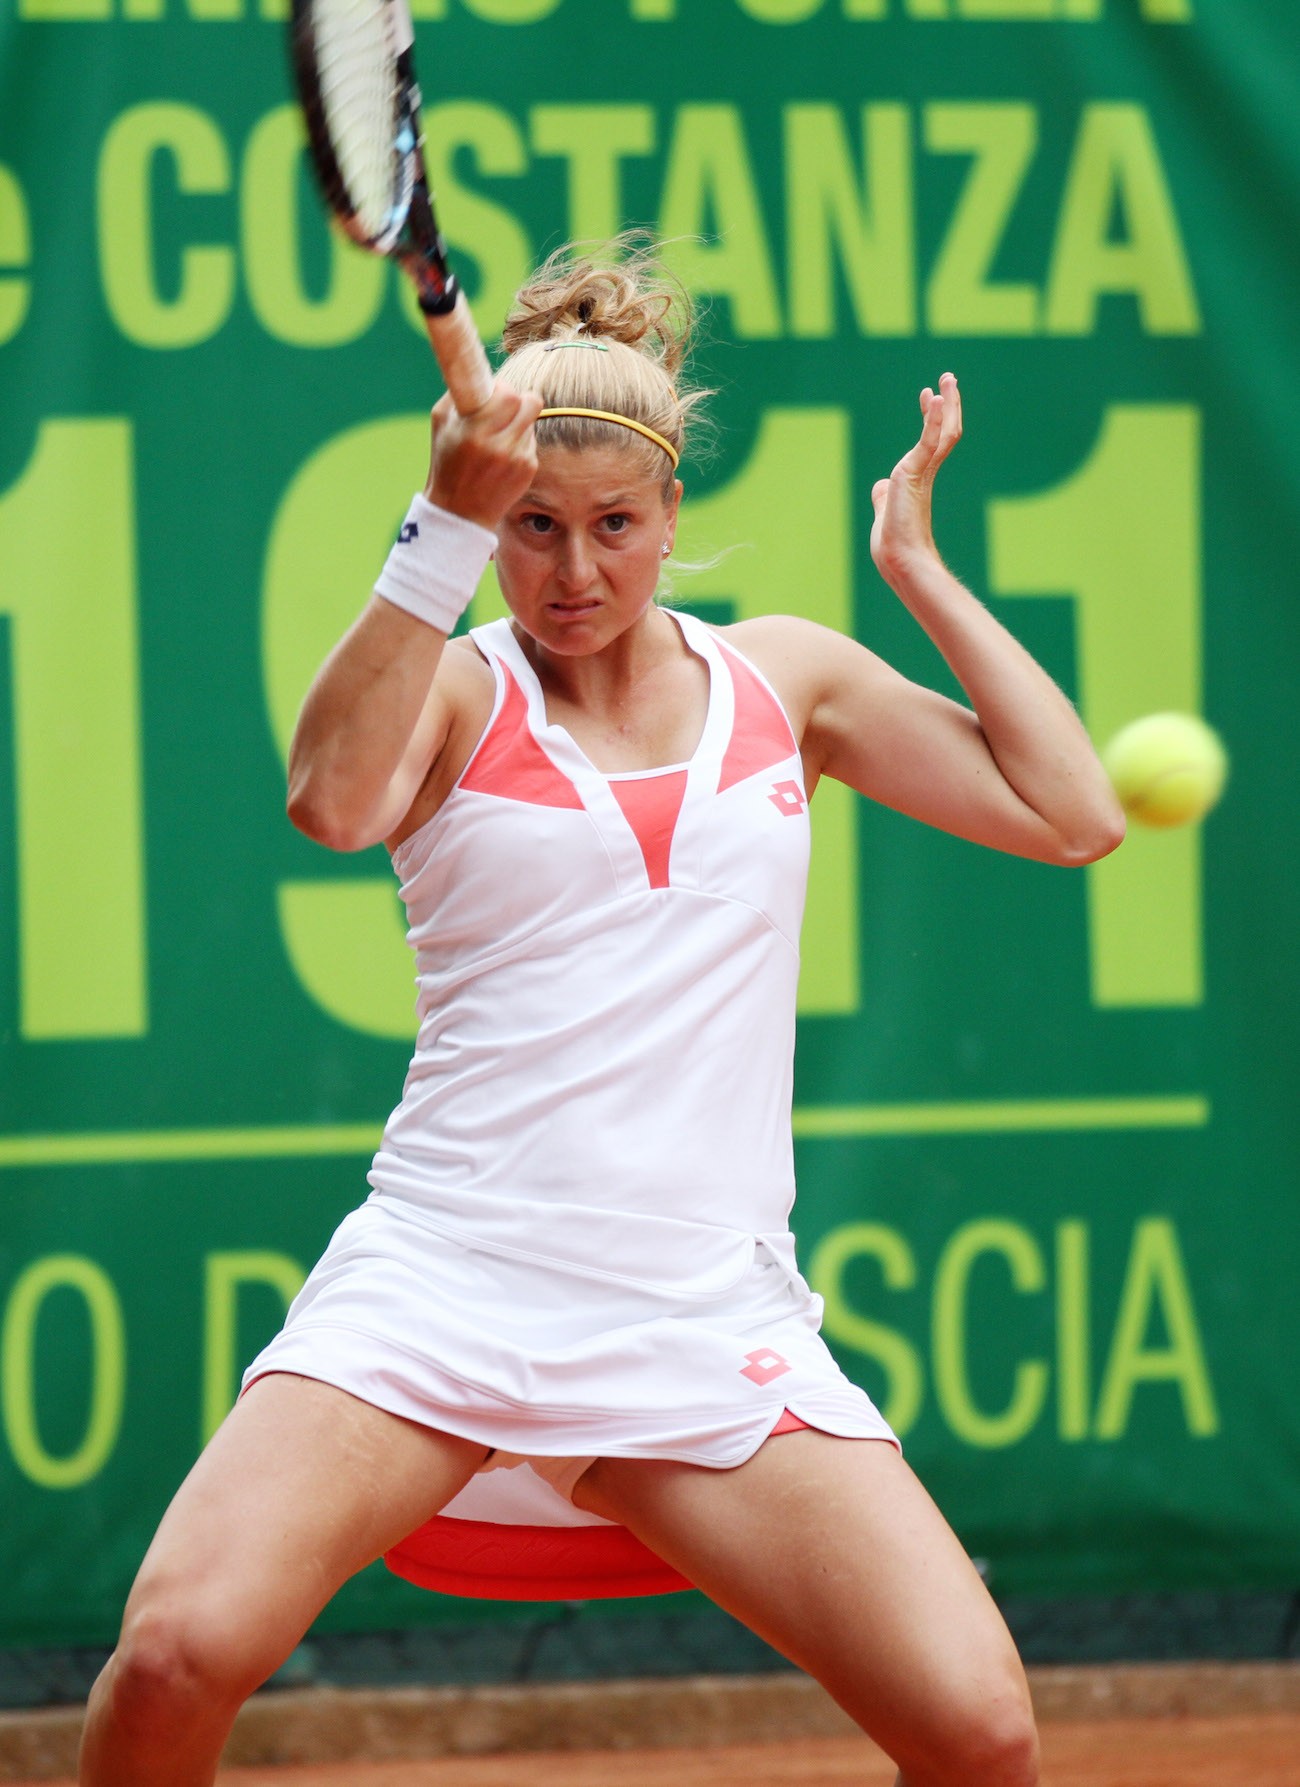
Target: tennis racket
355 71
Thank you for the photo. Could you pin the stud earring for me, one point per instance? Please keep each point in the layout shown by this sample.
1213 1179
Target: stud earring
664 550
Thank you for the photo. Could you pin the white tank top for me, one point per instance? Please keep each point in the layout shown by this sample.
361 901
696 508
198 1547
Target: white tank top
607 968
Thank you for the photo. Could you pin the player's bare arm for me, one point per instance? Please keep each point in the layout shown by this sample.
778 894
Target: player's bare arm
1018 773
385 704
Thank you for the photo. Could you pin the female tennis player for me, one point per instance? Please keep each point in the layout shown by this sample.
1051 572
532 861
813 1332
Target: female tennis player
573 1287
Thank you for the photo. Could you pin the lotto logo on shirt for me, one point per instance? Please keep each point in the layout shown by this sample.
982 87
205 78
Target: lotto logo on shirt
788 798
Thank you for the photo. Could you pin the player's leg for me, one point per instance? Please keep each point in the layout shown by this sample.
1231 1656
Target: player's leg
833 1552
302 1487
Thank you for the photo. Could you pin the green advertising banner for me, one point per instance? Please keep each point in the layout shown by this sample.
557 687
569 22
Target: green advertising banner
1046 1119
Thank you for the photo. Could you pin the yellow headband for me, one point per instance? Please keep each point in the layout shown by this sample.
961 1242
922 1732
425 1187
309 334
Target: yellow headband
623 422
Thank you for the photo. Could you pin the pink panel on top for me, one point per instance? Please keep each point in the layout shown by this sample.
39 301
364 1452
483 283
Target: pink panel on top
512 764
760 734
650 805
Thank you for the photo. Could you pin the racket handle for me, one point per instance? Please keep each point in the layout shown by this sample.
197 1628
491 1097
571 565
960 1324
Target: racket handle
459 353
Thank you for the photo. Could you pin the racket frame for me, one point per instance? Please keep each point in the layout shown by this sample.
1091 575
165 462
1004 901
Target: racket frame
410 234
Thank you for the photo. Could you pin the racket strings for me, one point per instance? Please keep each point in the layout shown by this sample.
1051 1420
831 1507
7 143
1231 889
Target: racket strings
370 131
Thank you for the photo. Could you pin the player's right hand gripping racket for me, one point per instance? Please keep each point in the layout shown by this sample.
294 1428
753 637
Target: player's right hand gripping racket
356 81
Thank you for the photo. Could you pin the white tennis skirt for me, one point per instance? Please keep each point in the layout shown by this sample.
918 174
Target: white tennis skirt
551 1369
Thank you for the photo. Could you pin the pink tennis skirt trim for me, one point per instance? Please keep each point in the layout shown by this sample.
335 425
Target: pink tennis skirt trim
530 1563
491 1562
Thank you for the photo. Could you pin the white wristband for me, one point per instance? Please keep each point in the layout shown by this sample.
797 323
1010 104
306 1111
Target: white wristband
434 568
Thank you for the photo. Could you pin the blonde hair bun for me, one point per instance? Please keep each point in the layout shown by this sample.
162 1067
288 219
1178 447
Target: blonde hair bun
624 302
626 296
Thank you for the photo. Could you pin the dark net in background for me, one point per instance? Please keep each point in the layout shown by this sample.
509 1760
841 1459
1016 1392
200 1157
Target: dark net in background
680 1635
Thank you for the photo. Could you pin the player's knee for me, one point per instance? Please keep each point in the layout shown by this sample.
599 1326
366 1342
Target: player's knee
996 1743
1010 1752
986 1738
171 1664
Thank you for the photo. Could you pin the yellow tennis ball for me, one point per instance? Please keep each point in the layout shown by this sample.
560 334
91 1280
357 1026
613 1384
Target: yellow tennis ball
1168 769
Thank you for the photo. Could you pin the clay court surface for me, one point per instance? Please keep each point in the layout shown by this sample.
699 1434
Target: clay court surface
1262 1751
1259 1750
1199 1724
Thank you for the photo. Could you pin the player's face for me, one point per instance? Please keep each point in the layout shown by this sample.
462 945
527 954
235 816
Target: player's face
579 555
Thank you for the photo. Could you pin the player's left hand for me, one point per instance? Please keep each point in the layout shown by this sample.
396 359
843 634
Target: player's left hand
902 534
